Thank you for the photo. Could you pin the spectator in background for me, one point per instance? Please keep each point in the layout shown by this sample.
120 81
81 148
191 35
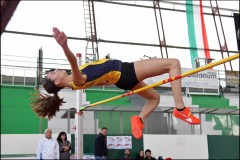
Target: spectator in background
64 146
140 155
126 155
148 155
100 145
48 147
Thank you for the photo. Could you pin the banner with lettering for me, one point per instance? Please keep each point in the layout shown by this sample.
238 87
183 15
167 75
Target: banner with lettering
206 79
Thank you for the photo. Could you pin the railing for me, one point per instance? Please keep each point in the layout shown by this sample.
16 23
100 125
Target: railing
15 76
24 72
169 125
27 76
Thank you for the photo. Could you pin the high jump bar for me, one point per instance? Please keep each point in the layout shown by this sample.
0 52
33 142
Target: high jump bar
199 69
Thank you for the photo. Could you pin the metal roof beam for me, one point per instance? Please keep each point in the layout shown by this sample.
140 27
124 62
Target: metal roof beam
116 42
169 9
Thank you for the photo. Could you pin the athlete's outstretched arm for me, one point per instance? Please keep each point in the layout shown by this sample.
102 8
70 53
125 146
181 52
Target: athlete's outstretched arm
61 39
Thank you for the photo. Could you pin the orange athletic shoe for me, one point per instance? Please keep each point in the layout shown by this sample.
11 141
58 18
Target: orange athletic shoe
186 115
137 126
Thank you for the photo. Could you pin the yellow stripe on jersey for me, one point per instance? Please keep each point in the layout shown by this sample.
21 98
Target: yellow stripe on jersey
101 71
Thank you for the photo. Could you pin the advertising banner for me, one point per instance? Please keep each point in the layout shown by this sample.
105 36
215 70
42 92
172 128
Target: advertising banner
205 79
119 142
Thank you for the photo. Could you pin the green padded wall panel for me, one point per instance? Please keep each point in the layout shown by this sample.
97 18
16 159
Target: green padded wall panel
17 116
223 147
99 95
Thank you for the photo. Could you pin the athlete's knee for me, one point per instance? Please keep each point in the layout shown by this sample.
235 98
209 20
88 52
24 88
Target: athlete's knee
175 62
155 98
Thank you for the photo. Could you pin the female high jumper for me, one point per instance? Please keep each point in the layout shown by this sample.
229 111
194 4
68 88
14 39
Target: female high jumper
127 76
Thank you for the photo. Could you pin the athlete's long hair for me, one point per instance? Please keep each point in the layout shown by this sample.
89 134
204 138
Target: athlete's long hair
46 105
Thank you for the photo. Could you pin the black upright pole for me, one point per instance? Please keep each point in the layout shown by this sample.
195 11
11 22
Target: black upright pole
40 65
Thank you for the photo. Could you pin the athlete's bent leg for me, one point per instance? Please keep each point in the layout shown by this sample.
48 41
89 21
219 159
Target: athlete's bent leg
153 99
154 67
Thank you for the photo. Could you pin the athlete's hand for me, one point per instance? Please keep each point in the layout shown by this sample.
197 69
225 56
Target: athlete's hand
60 37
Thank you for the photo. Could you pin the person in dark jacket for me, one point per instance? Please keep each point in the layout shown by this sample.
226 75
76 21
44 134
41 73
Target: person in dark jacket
148 155
64 146
100 145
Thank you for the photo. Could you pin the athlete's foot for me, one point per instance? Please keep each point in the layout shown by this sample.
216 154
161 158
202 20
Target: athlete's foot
186 115
137 127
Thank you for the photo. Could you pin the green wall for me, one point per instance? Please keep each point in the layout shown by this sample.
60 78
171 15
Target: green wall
17 116
105 119
223 147
99 95
112 122
207 101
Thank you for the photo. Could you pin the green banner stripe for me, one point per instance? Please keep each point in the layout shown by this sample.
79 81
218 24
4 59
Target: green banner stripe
191 31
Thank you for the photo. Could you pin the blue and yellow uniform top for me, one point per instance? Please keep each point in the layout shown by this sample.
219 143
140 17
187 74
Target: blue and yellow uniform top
104 70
